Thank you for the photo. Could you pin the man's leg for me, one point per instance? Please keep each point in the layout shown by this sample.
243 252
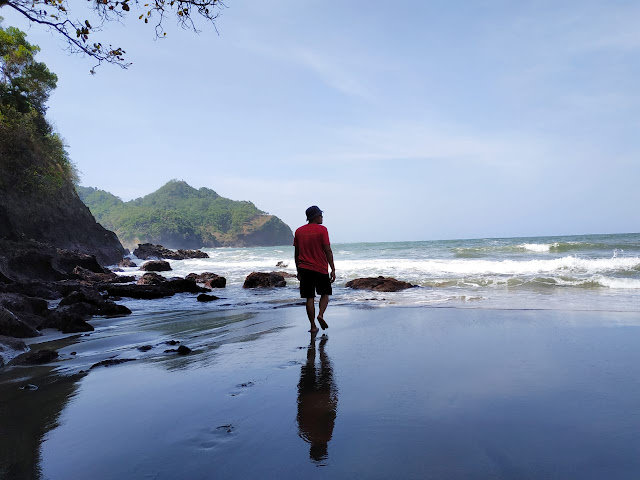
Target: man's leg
311 313
308 292
322 305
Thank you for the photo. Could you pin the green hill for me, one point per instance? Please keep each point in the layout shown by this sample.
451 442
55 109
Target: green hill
180 216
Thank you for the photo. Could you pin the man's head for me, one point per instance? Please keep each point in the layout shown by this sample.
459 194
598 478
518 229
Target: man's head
314 214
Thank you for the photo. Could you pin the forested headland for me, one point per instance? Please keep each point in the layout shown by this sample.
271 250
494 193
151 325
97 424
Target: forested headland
180 216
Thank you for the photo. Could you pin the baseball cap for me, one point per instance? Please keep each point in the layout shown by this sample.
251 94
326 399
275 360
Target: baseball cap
313 212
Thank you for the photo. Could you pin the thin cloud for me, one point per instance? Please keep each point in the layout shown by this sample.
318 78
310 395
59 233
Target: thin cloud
333 72
432 143
336 70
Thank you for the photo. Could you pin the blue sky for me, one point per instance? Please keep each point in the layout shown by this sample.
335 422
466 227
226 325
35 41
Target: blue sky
412 120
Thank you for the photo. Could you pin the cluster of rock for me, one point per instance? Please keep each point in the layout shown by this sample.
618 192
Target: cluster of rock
33 277
152 285
148 250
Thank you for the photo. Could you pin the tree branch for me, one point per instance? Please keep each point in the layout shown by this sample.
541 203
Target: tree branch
76 33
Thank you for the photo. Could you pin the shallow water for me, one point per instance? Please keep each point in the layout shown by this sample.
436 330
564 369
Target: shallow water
385 393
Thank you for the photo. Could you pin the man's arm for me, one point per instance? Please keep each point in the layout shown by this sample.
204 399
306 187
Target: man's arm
329 253
296 257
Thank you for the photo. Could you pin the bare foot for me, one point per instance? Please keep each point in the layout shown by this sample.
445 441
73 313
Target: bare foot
314 329
322 323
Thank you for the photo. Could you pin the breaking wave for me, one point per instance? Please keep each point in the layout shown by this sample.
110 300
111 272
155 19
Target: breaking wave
552 247
439 267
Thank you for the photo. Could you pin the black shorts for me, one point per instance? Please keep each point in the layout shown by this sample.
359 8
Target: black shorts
312 282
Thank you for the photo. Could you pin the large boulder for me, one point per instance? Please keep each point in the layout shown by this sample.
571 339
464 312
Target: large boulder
27 310
77 307
151 278
148 250
12 326
203 297
378 284
156 266
23 303
32 264
103 277
184 285
92 297
72 318
40 357
50 291
33 261
67 261
127 262
264 280
209 279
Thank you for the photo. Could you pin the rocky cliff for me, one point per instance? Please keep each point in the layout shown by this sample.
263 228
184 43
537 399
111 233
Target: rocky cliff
38 203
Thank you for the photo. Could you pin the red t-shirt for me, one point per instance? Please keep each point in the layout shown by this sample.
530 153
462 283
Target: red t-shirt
310 239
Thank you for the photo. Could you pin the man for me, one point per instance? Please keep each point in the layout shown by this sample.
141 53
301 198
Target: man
313 255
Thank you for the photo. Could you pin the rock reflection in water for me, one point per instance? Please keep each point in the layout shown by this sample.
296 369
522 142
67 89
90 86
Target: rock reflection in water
27 414
317 401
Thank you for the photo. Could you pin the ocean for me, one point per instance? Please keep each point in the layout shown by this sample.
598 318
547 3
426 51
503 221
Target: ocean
581 272
511 358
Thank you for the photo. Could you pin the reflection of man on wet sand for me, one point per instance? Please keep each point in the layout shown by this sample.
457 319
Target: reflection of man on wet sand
317 401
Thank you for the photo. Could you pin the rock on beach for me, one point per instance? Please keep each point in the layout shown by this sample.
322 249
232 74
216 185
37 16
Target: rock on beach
151 290
40 357
156 266
127 262
287 274
264 280
151 278
12 326
209 279
378 284
203 297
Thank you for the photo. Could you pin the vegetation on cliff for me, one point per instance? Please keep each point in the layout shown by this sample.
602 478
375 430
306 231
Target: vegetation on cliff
37 179
32 155
180 216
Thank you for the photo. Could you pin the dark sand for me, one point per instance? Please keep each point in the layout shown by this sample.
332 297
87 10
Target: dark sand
386 393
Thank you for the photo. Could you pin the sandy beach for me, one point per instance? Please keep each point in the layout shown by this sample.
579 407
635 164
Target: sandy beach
383 393
458 180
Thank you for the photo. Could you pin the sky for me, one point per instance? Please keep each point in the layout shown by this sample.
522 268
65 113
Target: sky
409 120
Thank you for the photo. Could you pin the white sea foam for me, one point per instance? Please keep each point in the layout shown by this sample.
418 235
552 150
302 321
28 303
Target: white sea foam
621 283
426 271
461 267
538 247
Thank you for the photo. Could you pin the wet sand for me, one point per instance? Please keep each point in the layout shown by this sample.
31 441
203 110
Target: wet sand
383 393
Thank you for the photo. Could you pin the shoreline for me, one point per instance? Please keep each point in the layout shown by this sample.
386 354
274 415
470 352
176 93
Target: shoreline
49 335
410 392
